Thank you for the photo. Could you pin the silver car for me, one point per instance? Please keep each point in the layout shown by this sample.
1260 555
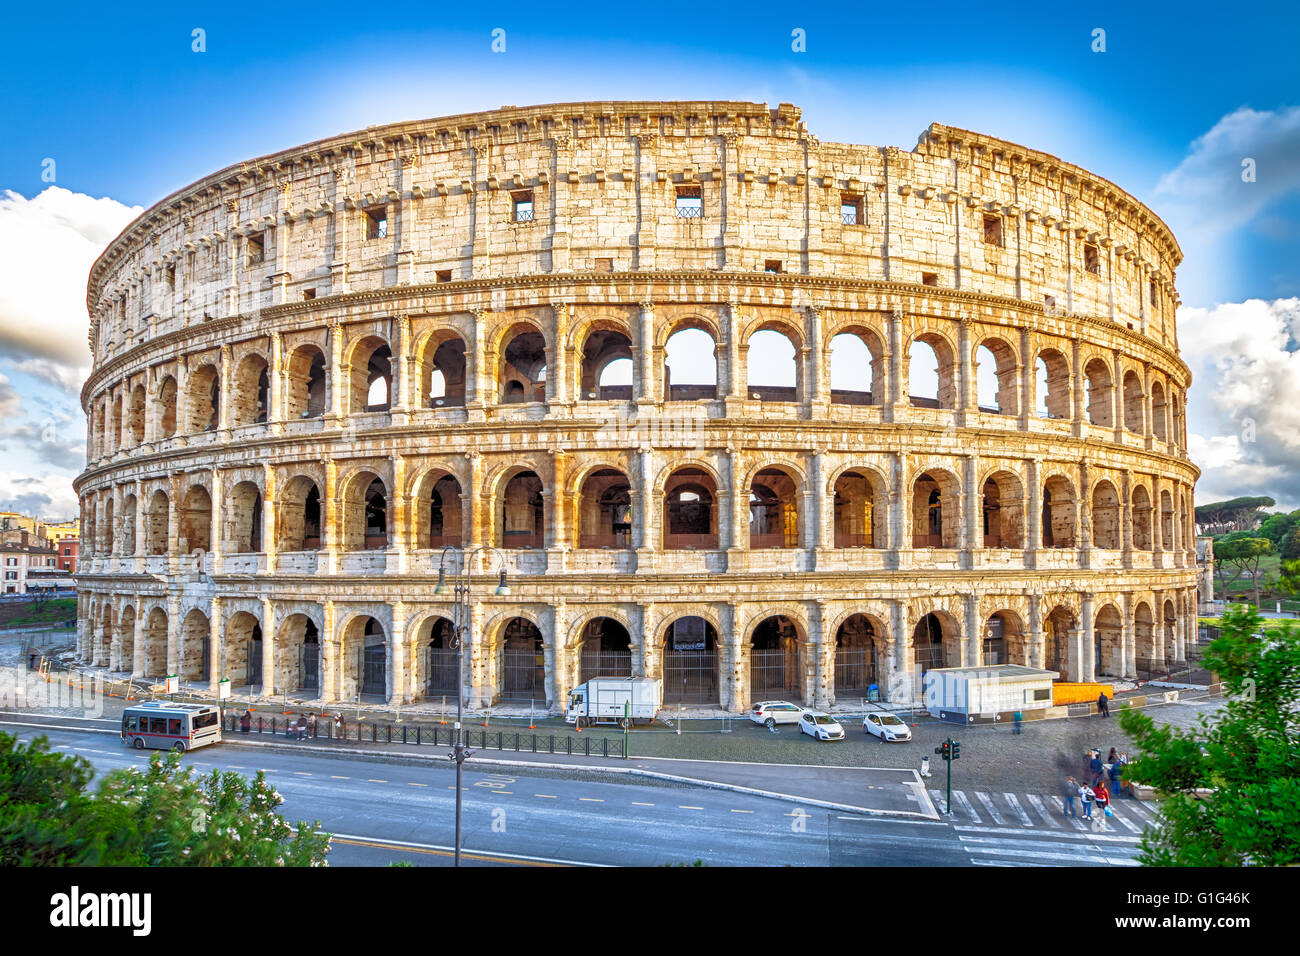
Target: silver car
887 727
773 712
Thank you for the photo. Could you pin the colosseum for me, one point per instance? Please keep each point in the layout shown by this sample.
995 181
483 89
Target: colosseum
535 332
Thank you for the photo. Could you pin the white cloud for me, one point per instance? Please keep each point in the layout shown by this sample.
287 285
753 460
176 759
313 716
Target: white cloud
1244 408
64 377
47 246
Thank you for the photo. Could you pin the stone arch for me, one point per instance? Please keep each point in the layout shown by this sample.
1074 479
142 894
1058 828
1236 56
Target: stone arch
846 382
301 515
104 639
1003 510
522 364
1148 654
241 519
1105 516
1052 372
251 392
306 376
124 658
109 532
166 407
861 508
156 524
861 645
436 509
195 531
680 347
366 512
1059 627
774 493
604 508
604 342
115 438
155 644
1059 508
604 648
370 375
936 643
935 344
433 657
135 415
1108 641
1166 520
935 511
690 649
1134 400
1168 644
1003 397
298 647
204 403
365 651
442 369
772 351
521 648
1004 640
195 635
1140 504
1159 412
690 508
520 512
1099 388
243 637
778 658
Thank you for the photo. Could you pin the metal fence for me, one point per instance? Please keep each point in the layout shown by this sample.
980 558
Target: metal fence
855 672
524 676
774 673
690 677
604 664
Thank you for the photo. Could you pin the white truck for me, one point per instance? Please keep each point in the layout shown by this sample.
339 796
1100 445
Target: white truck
610 699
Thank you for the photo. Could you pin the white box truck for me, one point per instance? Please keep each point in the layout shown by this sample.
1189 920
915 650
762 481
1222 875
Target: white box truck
610 699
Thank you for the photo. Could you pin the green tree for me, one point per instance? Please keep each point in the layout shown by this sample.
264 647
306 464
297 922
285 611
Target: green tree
1288 581
1242 556
1246 755
1290 548
1238 514
164 815
1277 527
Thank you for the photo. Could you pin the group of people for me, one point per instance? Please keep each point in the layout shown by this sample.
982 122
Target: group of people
1104 780
302 727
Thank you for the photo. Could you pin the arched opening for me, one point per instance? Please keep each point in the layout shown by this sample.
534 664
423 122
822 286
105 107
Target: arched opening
442 371
195 533
771 369
935 517
167 407
103 647
155 643
299 647
438 511
690 366
1108 632
523 369
523 664
155 524
1002 515
305 383
1142 509
437 639
857 373
114 439
204 400
1169 634
125 659
299 521
997 378
365 659
1057 632
135 417
605 510
606 650
98 437
1004 640
128 542
1180 434
371 376
690 515
930 376
521 519
606 366
934 645
855 658
1147 656
1101 407
244 649
773 510
690 662
775 660
365 513
1058 513
195 638
1133 401
1053 384
243 519
106 540
1105 516
858 500
252 391
1166 521
1159 412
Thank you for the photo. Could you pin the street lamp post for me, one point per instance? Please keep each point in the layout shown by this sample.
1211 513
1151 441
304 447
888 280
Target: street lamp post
461 633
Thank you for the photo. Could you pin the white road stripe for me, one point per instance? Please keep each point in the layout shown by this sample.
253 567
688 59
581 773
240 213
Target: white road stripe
978 862
988 805
1062 857
1151 808
1051 817
1065 846
1015 805
1125 822
1007 832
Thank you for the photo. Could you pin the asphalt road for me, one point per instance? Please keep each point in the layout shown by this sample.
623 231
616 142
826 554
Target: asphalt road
381 811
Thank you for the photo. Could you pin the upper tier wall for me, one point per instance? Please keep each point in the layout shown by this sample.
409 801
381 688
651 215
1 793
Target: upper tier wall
961 211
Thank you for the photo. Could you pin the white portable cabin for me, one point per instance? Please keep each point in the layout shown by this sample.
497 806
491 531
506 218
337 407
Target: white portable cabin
985 692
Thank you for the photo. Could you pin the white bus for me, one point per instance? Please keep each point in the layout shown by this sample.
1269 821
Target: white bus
166 726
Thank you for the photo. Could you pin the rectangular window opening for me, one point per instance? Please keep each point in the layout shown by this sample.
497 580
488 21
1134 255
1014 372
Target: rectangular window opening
605 264
256 250
929 278
377 223
690 203
852 212
444 275
993 230
308 294
772 265
523 206
1091 259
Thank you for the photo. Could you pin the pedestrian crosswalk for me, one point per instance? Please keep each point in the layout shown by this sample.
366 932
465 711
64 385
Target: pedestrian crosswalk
1014 817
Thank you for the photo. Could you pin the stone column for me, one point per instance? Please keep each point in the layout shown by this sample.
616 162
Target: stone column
559 393
327 561
973 642
818 393
1033 523
810 516
329 655
736 503
734 682
275 400
1157 523
401 390
1083 665
268 648
823 502
823 649
139 519
338 382
1028 365
899 540
270 501
892 364
649 662
644 380
1117 395
479 374
1128 640
138 651
645 537
1148 433
173 523
216 641
966 403
559 680
475 506
898 660
173 633
1034 637
483 678
397 678
1126 516
214 529
970 537
735 379
1078 393
223 413
558 535
400 537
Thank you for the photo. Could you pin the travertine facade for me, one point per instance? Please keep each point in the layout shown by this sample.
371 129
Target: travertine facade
314 370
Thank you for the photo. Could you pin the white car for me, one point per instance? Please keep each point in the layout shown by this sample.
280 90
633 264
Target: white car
820 726
887 727
773 712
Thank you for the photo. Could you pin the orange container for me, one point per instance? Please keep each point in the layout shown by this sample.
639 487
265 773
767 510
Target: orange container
1067 693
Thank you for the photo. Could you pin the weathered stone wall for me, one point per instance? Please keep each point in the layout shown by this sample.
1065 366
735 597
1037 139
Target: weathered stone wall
267 437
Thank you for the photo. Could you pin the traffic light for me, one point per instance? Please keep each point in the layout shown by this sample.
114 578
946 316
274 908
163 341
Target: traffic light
956 750
942 750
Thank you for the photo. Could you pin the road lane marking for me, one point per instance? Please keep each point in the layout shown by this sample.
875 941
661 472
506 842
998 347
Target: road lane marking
1010 831
592 799
301 773
373 780
634 803
966 805
742 811
546 796
335 776
412 784
434 850
1015 805
1037 804
988 805
1063 857
684 807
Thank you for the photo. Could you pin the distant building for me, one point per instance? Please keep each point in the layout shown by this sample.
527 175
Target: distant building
26 566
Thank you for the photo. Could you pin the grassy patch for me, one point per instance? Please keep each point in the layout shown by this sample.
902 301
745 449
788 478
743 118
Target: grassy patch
51 612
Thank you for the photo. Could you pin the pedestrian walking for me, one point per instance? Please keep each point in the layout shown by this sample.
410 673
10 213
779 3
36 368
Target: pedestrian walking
338 726
1018 717
1070 791
245 721
1116 781
1103 704
1112 756
1095 768
311 725
1085 798
925 765
1102 798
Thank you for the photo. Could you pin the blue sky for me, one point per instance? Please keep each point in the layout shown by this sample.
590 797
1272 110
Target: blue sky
128 112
